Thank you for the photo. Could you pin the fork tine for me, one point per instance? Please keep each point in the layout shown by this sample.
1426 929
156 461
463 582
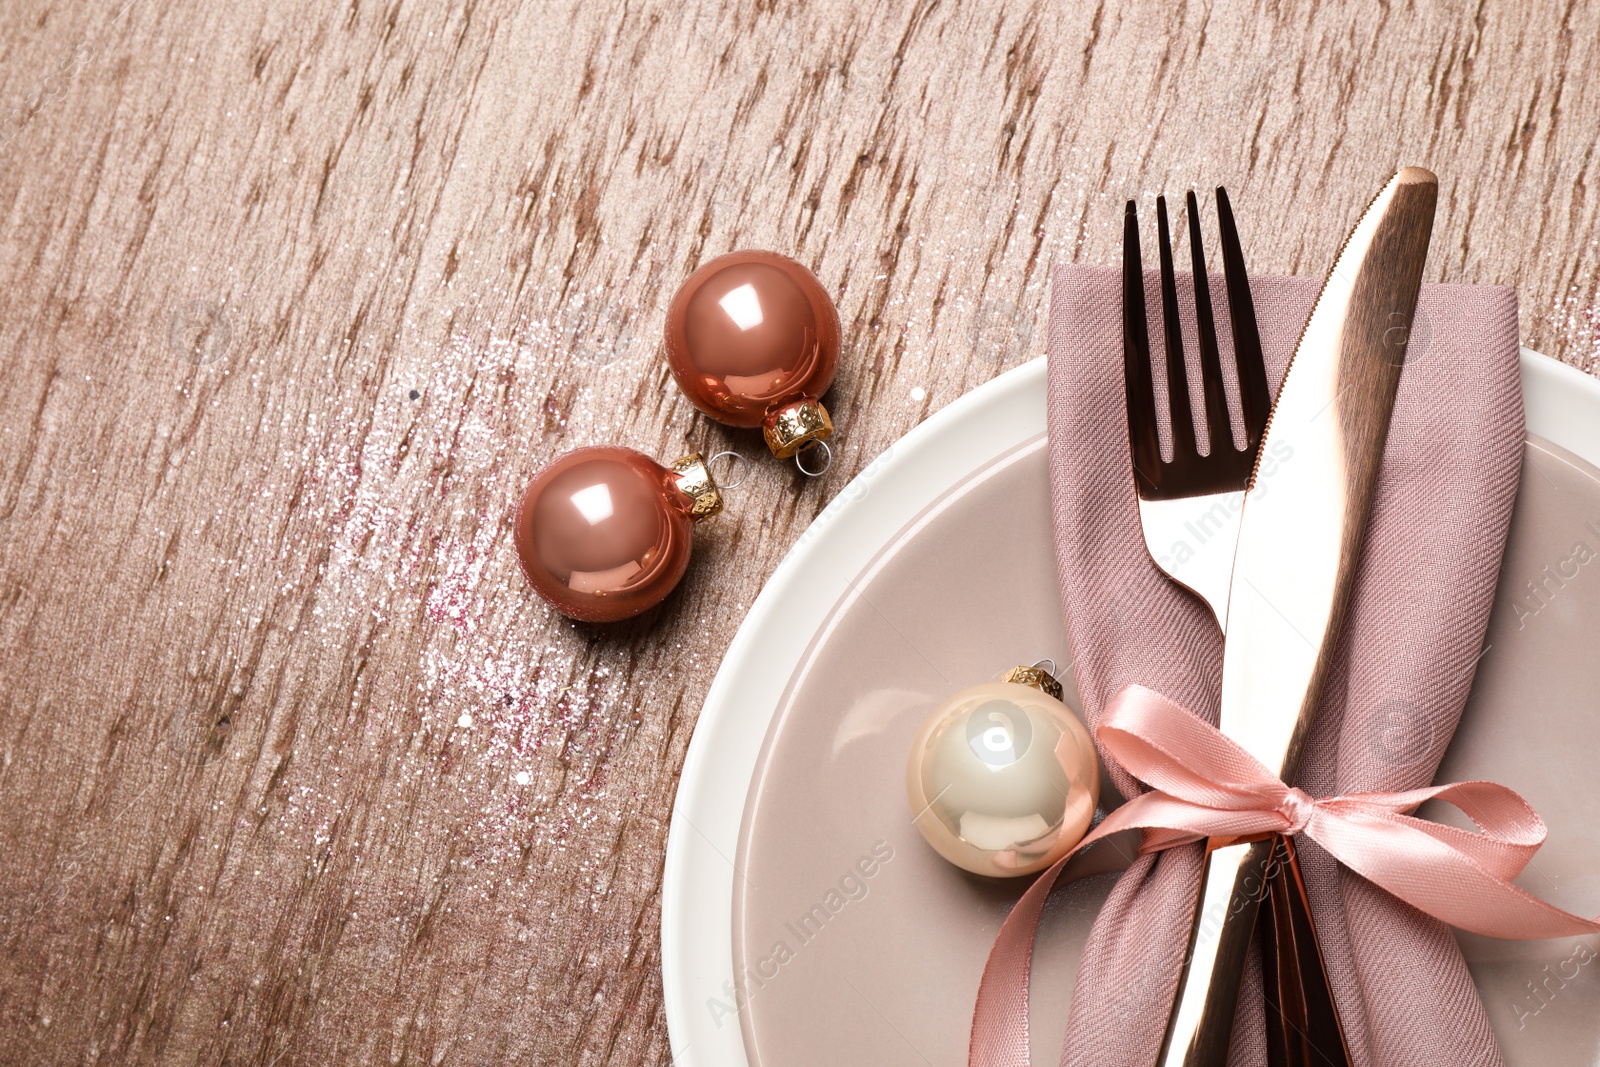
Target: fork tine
1143 438
1218 429
1183 443
1254 393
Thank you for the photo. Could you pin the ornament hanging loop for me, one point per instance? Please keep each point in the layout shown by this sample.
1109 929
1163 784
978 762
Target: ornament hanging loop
740 465
814 446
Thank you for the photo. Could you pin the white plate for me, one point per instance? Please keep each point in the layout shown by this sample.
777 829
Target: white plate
1563 406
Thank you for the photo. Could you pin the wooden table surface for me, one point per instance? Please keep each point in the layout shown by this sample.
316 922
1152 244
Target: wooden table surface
294 768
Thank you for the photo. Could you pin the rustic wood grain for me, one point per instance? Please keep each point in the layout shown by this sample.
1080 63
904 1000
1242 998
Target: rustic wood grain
298 295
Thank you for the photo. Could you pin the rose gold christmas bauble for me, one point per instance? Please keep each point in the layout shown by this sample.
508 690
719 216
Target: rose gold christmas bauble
753 340
1003 780
604 533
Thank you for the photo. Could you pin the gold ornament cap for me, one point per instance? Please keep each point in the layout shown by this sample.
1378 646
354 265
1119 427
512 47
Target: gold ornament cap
1034 677
791 428
695 481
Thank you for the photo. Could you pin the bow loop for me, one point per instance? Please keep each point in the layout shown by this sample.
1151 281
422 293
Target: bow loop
1169 748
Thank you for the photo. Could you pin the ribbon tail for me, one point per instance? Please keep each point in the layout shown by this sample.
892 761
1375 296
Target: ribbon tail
1000 1017
1437 878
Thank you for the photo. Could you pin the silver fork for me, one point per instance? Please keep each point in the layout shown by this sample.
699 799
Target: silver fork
1189 508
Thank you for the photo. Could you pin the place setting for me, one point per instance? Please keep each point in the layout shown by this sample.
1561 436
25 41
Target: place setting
1214 689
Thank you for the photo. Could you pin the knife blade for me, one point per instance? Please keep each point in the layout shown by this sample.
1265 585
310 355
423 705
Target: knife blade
1298 548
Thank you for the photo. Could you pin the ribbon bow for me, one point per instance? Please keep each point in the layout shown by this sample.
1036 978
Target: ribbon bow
1204 784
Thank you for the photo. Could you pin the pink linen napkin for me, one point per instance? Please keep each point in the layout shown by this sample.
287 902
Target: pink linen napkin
1411 642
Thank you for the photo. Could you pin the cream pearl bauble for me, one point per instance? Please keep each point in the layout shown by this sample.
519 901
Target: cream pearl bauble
1003 779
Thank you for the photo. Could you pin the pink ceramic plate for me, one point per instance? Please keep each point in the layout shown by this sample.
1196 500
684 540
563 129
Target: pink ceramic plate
820 928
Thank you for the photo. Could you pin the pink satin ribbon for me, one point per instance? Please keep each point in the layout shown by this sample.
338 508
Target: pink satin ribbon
1204 785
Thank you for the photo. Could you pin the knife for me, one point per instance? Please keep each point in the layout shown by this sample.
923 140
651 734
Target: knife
1296 558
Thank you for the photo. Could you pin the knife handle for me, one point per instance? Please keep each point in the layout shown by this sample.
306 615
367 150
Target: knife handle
1232 883
1303 1027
